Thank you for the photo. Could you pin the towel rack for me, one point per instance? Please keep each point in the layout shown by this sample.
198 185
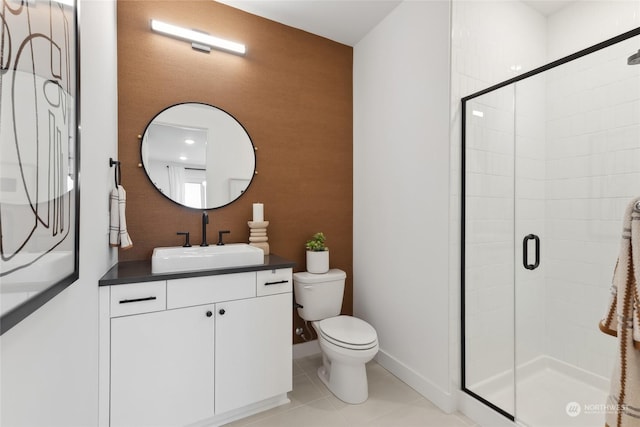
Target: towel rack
117 175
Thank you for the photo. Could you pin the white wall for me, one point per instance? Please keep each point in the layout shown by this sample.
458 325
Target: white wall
49 367
401 193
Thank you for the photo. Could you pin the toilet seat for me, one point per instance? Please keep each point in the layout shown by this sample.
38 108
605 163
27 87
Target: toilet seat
348 332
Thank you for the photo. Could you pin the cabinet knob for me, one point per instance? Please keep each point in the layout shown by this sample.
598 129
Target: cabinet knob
209 314
222 312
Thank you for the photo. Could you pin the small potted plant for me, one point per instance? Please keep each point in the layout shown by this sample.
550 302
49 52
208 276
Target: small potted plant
317 254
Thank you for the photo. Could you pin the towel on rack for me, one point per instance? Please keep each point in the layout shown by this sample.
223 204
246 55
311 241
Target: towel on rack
118 235
622 320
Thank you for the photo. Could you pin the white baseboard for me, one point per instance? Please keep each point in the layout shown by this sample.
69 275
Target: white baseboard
236 414
441 398
305 349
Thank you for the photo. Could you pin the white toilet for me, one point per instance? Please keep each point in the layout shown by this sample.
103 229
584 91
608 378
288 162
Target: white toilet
347 343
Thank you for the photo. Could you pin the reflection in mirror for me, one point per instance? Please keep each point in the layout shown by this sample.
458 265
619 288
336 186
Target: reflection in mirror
198 155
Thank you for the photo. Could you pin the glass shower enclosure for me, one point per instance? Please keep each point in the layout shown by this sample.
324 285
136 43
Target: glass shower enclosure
550 160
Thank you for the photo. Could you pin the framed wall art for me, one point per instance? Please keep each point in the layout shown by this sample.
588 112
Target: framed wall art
39 154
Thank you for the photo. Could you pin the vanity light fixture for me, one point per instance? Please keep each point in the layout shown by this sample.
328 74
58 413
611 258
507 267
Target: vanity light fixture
189 141
183 158
200 41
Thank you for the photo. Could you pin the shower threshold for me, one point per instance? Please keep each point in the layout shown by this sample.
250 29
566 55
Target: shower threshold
549 393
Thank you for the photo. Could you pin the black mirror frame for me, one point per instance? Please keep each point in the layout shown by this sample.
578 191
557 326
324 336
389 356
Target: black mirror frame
255 158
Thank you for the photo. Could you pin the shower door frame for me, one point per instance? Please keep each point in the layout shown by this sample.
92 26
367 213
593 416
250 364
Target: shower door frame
602 45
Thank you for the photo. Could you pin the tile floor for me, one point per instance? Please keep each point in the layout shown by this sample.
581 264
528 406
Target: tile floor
391 403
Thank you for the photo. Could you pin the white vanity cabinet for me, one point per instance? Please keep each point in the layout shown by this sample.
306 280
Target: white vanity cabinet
162 367
195 351
253 362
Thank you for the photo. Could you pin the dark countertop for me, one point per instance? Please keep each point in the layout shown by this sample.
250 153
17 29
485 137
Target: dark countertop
140 271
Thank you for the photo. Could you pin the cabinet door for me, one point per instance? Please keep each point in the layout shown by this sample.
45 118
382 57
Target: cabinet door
162 367
253 350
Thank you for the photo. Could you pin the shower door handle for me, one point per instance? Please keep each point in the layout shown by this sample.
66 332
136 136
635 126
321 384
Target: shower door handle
525 252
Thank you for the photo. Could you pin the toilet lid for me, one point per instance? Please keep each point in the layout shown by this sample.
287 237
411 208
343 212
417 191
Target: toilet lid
348 331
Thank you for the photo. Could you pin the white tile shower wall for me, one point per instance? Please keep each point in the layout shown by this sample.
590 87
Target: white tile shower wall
482 55
584 23
489 237
530 153
470 63
568 31
593 169
493 41
505 175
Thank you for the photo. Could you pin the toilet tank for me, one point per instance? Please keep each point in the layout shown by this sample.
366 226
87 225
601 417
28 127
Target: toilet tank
320 295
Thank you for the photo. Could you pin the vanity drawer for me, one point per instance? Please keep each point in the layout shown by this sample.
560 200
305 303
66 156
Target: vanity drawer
210 289
138 298
269 282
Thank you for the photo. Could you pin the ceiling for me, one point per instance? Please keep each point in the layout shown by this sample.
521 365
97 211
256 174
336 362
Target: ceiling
345 21
547 7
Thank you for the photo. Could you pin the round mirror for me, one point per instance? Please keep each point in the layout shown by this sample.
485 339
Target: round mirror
198 155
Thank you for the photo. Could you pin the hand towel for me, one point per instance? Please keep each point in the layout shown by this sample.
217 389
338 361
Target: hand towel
118 235
623 321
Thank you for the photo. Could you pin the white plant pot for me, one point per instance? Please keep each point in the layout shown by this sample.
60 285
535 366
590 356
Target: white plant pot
317 262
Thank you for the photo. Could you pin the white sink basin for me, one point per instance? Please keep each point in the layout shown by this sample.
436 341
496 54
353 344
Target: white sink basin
178 258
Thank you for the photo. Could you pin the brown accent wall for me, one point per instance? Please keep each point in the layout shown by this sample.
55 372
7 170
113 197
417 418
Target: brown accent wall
292 91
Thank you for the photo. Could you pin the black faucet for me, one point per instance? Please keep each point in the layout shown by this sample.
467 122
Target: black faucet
205 221
186 241
220 233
